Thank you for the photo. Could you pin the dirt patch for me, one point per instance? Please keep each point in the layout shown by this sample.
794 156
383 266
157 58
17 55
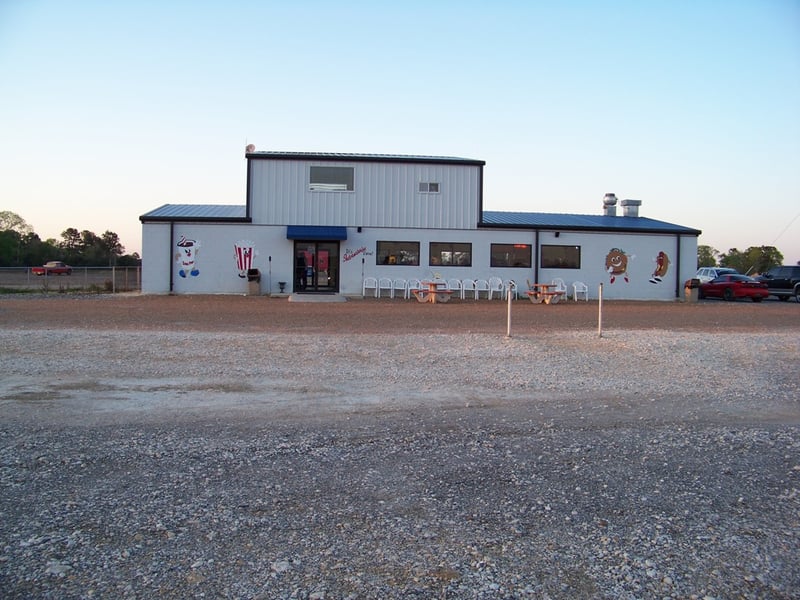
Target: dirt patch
262 314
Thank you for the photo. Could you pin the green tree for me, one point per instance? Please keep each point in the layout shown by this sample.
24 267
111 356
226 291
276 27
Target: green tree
706 256
10 221
756 259
130 260
37 252
70 245
112 247
733 259
13 230
10 248
763 258
92 252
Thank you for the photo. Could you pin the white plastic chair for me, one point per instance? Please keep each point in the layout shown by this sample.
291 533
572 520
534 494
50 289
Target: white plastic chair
495 285
370 283
384 283
399 285
481 285
468 285
580 288
412 285
560 285
454 285
510 284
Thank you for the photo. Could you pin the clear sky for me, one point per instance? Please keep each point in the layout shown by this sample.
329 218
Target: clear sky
111 109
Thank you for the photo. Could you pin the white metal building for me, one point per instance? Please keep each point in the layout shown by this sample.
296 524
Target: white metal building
321 223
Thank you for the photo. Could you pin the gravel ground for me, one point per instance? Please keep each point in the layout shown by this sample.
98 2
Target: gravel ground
235 447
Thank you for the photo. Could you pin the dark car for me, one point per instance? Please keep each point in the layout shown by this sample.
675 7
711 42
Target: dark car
783 282
732 286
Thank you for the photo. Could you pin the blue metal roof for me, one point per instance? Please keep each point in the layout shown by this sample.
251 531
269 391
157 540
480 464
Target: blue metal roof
315 232
354 157
525 220
196 212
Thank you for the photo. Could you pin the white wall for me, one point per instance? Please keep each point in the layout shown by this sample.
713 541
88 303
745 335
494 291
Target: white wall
641 251
215 264
217 271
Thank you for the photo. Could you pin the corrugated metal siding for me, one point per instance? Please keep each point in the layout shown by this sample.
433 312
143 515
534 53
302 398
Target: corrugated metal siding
385 195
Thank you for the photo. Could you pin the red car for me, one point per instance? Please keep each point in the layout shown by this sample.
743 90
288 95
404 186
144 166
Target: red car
54 267
732 286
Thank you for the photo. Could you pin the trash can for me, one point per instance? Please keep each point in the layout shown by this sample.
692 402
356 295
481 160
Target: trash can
254 282
692 290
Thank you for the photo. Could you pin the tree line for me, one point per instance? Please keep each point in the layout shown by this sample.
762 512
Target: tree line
20 246
754 260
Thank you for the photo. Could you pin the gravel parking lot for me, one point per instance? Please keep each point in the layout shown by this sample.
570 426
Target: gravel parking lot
248 447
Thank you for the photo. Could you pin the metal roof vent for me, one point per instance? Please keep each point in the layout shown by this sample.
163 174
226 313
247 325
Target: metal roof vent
630 208
610 205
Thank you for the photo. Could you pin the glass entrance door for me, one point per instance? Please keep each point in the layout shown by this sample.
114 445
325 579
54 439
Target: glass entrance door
316 267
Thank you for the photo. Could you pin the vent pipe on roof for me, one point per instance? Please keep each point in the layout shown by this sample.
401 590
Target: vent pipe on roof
610 205
630 208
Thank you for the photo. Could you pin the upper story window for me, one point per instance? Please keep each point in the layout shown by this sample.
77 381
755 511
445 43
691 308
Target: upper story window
450 254
331 179
511 255
428 187
561 257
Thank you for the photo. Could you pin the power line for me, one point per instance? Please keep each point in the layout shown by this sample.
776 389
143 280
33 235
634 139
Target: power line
785 229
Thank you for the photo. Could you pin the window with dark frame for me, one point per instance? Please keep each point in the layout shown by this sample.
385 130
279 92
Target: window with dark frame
560 257
450 254
331 179
397 253
428 187
511 255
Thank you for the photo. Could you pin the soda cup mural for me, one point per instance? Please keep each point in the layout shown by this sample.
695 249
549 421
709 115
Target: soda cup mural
244 254
186 258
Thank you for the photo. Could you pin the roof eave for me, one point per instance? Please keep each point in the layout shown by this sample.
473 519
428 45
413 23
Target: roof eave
365 158
176 219
555 226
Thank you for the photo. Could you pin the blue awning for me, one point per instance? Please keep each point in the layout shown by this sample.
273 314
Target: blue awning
315 232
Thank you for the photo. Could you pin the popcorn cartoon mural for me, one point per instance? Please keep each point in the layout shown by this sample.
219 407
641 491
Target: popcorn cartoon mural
662 266
244 254
617 264
186 257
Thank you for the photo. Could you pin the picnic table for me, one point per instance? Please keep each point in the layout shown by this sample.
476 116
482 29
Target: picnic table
544 292
436 292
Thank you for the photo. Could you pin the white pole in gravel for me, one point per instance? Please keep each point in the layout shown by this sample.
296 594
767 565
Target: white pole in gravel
600 312
508 320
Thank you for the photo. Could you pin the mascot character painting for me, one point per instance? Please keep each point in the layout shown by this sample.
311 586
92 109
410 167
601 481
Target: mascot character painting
186 258
617 264
662 266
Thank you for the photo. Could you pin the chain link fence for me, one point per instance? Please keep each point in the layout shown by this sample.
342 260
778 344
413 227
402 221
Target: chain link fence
107 280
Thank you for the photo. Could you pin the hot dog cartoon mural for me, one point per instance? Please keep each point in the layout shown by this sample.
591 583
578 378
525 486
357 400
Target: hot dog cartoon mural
662 266
617 264
186 258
